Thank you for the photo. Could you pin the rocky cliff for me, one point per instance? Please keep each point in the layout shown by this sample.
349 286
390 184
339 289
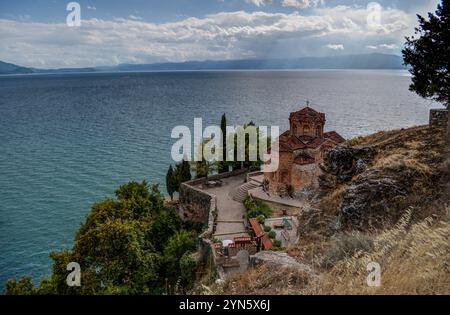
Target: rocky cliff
382 198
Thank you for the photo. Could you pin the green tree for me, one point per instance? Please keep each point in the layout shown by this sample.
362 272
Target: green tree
188 268
223 166
127 245
23 286
204 168
428 56
247 163
164 226
183 172
178 245
171 181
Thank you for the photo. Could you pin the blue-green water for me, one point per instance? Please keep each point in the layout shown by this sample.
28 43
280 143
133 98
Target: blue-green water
67 141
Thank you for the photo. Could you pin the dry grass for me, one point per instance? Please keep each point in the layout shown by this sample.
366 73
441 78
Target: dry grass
414 253
407 163
414 260
330 203
266 279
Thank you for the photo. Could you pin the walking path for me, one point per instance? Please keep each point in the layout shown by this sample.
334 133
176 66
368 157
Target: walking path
231 213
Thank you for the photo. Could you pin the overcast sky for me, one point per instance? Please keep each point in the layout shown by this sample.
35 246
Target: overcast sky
34 32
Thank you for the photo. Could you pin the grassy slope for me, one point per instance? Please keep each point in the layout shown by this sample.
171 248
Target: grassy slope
413 250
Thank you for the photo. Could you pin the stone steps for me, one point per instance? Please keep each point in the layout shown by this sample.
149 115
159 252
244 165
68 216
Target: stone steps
243 232
241 192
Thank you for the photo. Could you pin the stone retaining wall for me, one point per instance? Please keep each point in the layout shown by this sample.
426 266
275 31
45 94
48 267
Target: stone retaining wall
197 204
439 118
200 206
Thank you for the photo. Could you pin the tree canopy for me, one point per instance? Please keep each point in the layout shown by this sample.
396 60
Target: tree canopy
128 245
428 55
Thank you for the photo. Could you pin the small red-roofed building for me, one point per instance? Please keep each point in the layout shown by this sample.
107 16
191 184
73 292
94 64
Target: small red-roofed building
261 236
302 148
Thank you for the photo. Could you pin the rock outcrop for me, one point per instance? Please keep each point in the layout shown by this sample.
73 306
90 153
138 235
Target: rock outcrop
368 201
278 260
342 163
316 222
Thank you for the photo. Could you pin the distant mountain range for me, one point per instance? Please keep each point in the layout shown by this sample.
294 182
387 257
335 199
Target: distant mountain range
367 61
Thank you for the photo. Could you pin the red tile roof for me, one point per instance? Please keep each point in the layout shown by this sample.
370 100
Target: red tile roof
308 111
290 143
333 135
256 227
243 239
314 144
304 159
267 243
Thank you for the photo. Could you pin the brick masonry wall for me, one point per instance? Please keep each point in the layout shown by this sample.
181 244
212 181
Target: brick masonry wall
438 118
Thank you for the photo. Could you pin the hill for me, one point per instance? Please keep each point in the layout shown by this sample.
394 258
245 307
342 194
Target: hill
368 61
9 68
384 198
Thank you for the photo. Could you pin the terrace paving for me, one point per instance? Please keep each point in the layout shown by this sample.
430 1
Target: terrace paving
231 213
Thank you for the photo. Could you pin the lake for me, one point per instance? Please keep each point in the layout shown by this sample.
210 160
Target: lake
70 140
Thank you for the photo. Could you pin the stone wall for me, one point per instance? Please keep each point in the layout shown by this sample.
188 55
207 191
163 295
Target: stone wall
438 118
210 257
200 206
197 204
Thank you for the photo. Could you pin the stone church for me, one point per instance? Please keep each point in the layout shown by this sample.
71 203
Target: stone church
302 149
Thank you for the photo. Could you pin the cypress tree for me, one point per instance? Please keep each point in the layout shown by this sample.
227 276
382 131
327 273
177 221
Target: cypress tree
223 126
170 182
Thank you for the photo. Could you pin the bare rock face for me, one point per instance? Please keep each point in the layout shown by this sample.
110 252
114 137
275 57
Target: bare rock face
278 260
342 163
315 221
369 200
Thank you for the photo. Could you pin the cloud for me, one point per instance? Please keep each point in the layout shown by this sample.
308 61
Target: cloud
223 35
259 3
383 46
335 46
388 46
91 8
302 4
134 17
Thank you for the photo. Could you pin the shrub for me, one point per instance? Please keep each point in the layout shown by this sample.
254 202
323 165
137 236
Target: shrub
23 286
249 203
267 229
252 214
276 243
265 209
355 141
272 234
261 219
414 260
255 208
346 245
